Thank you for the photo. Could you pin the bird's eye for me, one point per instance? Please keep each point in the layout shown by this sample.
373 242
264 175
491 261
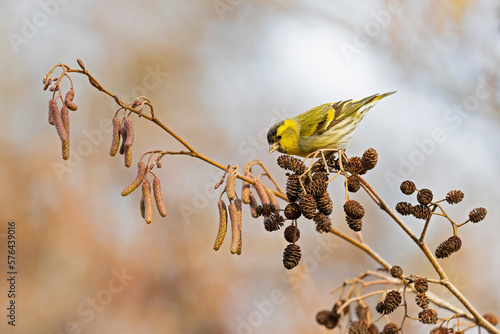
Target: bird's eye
278 137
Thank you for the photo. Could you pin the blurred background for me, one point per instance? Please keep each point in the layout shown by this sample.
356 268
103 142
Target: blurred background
219 74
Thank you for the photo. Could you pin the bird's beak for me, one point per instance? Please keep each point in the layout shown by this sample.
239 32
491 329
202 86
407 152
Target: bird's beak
273 147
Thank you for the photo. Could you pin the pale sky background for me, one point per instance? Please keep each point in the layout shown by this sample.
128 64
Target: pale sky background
224 78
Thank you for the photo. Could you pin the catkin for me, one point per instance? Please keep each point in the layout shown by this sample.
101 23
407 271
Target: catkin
142 207
65 149
235 228
159 197
129 130
245 192
253 205
128 156
56 117
148 202
230 184
138 179
221 234
238 204
272 198
68 100
261 191
123 134
115 143
65 118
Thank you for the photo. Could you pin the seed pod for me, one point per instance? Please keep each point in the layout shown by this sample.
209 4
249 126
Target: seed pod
353 184
454 196
308 206
428 316
148 201
324 204
266 210
356 327
291 256
390 328
328 319
253 206
65 149
115 143
404 208
68 100
354 224
407 187
392 301
353 209
235 228
422 300
293 187
129 130
138 179
272 198
46 83
261 191
318 185
323 223
292 211
160 205
421 211
230 185
65 118
396 272
424 196
273 222
354 166
56 117
369 159
449 246
292 234
421 285
221 234
245 192
128 157
291 163
477 214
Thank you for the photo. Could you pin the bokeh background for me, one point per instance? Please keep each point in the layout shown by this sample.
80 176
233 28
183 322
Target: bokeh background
220 72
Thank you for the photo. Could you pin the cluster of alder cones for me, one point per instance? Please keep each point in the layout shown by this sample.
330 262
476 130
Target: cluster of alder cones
426 208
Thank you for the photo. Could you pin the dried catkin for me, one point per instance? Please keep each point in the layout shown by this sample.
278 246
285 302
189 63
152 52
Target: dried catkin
160 205
123 134
138 179
115 143
235 228
148 202
221 234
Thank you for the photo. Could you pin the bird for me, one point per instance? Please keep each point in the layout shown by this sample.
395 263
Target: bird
329 126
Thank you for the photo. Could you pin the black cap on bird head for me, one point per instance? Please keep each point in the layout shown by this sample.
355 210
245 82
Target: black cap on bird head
272 138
